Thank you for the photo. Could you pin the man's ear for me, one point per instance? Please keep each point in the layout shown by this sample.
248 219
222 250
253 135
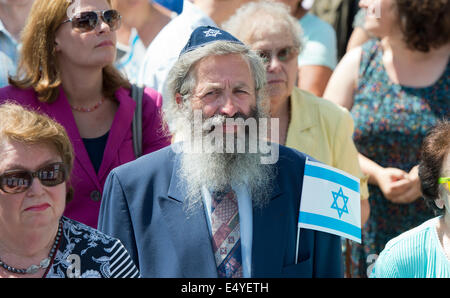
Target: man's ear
179 99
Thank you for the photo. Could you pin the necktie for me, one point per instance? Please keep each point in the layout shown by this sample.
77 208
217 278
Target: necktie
226 234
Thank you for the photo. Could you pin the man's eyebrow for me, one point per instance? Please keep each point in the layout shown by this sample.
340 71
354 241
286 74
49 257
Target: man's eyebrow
240 85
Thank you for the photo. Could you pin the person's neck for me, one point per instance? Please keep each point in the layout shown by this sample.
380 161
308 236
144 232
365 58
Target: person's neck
281 109
14 17
218 11
152 22
446 224
30 248
395 46
82 87
123 34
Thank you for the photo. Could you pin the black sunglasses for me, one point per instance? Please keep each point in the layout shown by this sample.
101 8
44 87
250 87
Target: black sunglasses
87 20
283 54
17 181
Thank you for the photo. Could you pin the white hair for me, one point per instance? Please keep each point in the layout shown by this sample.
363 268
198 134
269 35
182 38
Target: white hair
209 168
263 16
181 79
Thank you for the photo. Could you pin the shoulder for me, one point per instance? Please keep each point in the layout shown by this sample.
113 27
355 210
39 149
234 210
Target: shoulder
409 239
100 255
291 159
314 25
75 229
12 93
352 58
329 113
146 167
405 251
151 99
323 105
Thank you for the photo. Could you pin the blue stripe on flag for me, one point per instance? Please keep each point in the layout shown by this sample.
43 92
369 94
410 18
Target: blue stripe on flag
329 223
331 176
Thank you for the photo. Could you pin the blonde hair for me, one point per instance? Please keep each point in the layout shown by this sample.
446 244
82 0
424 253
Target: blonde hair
26 126
37 67
257 17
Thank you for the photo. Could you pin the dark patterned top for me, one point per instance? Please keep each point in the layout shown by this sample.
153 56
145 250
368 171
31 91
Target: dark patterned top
87 253
391 121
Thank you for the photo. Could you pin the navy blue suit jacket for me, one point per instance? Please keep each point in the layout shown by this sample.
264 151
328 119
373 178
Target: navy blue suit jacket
143 207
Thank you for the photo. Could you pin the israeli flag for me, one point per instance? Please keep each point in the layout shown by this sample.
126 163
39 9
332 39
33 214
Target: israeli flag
330 201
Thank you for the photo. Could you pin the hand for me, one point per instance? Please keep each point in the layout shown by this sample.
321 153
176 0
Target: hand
415 191
398 186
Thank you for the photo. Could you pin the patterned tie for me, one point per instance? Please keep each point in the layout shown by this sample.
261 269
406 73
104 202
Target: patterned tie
226 234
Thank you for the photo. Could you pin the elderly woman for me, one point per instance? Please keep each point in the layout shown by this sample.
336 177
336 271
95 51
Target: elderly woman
36 159
66 71
307 123
318 57
396 89
424 251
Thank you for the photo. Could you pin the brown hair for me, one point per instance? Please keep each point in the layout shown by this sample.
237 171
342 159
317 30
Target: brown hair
435 147
425 23
29 127
37 67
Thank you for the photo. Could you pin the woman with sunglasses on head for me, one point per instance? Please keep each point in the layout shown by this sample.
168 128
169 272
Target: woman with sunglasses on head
424 251
68 49
36 240
306 122
396 89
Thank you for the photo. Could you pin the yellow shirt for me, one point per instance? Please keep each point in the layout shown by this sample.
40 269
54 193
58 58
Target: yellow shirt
324 131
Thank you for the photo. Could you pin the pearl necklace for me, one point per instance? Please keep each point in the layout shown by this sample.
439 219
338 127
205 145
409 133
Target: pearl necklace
43 264
90 109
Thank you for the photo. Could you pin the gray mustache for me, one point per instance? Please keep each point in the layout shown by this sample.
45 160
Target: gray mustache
219 120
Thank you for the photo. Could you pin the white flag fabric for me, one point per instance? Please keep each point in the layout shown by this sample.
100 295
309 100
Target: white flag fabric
330 201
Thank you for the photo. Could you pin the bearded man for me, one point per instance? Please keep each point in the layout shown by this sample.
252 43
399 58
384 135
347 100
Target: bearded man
213 204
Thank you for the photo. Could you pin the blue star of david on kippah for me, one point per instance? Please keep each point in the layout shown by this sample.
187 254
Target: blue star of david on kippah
335 205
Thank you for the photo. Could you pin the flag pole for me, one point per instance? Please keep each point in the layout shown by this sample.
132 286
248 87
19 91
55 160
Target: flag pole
298 243
298 227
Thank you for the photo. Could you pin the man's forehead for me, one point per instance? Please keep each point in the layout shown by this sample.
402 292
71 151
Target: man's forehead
217 67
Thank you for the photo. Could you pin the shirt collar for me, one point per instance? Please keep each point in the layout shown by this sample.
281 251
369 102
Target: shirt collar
6 33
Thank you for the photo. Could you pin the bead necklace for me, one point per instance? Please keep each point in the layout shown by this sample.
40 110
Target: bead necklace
43 264
90 109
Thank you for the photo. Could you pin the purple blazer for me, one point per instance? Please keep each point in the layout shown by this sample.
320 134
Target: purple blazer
87 184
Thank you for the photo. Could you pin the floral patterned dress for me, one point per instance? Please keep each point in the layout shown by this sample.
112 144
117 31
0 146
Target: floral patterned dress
391 121
84 252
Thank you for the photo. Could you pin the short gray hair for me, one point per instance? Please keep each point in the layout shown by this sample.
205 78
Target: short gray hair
181 78
249 17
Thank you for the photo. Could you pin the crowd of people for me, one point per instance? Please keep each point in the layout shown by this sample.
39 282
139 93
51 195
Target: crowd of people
70 117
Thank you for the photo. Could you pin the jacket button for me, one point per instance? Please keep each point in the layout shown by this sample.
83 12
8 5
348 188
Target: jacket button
96 196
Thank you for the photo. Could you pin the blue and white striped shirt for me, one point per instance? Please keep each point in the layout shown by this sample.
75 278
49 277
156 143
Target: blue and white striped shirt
417 253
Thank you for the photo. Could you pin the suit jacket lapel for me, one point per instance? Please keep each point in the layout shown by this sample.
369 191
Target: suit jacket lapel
120 127
189 231
66 119
269 229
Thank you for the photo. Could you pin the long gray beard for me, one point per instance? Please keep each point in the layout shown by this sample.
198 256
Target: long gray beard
216 171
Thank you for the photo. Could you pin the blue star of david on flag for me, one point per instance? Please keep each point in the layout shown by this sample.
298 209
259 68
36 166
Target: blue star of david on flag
335 205
319 212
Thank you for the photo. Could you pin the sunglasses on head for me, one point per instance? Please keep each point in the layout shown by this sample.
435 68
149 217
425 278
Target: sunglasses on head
283 54
444 180
87 20
17 181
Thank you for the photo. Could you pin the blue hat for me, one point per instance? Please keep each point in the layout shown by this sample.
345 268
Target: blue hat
204 35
